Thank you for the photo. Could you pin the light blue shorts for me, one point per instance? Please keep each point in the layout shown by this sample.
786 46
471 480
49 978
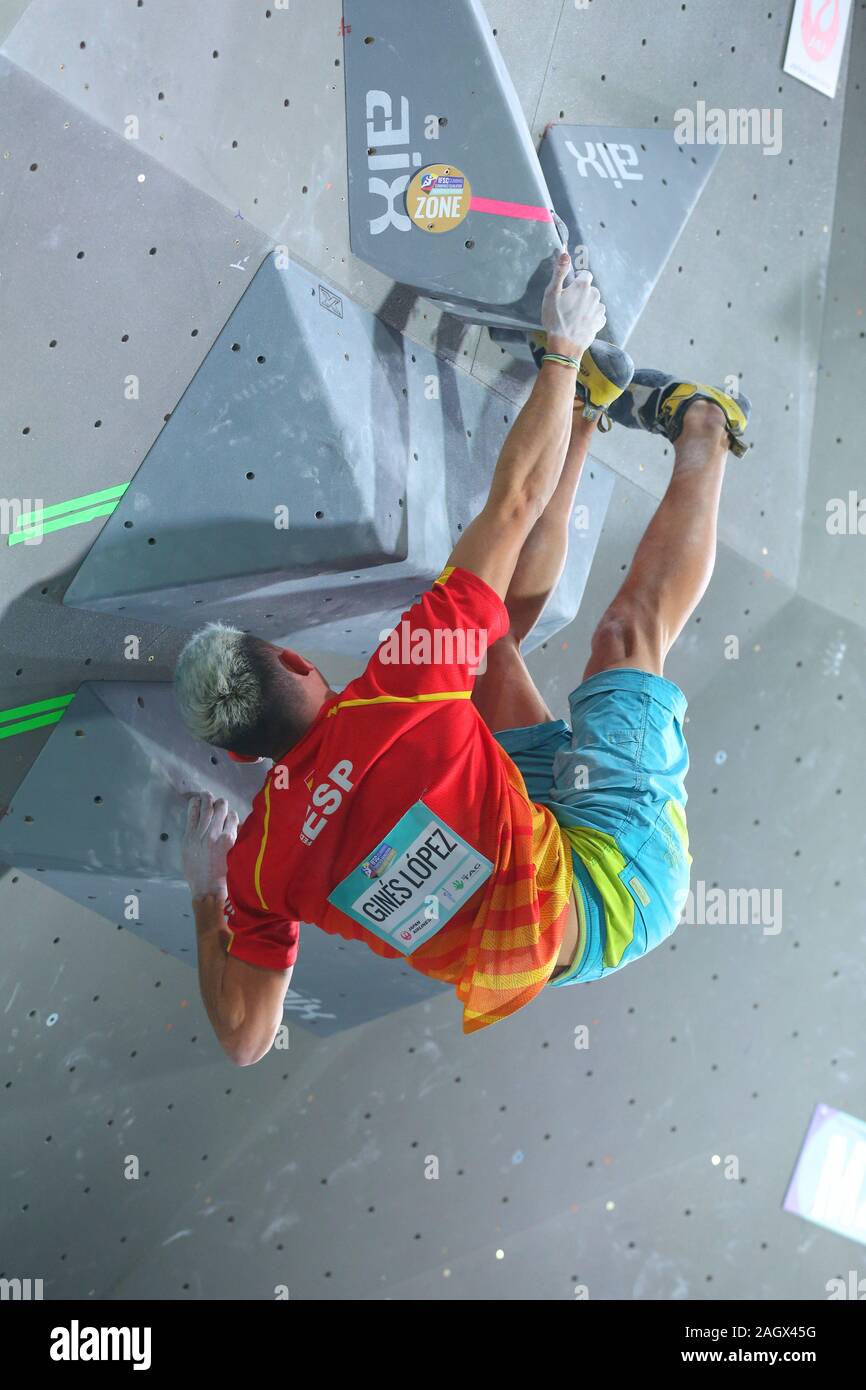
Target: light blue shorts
615 782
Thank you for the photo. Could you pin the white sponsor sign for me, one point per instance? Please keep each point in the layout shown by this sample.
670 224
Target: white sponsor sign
829 1182
816 43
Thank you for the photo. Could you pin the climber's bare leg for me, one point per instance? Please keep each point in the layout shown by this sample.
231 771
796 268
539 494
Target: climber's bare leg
675 559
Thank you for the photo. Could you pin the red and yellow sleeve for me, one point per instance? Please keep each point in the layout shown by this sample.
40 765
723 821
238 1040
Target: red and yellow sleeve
259 935
438 643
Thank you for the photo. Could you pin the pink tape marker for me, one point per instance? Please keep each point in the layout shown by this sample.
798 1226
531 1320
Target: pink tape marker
497 208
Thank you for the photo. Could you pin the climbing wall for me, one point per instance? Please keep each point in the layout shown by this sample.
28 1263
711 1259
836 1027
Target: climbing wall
112 842
299 468
314 476
833 562
652 1162
445 191
625 196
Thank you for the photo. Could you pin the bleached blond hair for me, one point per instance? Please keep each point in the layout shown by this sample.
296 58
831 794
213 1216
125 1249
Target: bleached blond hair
218 685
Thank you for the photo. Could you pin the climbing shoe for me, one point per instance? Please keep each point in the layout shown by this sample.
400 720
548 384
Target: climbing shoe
604 373
658 403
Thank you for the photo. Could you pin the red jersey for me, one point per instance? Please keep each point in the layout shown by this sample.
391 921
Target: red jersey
406 735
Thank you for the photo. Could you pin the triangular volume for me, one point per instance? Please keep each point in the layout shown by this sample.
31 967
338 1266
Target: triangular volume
625 195
100 816
106 794
277 495
272 461
312 480
445 190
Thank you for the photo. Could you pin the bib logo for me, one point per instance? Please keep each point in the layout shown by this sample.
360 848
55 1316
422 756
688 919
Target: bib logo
382 157
820 27
326 800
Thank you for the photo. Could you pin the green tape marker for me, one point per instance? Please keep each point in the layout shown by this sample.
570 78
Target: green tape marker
75 519
36 723
73 505
57 702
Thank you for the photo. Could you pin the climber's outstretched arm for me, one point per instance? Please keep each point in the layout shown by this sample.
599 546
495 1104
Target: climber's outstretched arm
532 456
525 479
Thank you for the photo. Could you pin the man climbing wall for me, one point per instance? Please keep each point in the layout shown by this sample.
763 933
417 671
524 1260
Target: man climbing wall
441 814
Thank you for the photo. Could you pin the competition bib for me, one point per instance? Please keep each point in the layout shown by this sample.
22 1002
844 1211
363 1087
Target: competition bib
413 882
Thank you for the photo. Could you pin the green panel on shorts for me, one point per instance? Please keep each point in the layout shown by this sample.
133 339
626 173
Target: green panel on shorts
678 816
604 862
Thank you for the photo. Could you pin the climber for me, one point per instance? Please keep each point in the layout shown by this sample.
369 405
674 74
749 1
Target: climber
436 810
